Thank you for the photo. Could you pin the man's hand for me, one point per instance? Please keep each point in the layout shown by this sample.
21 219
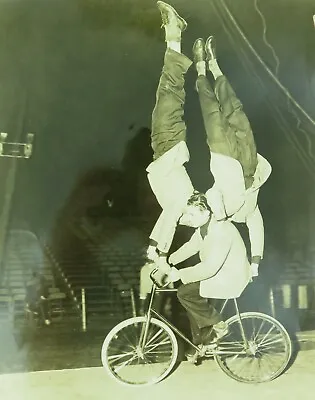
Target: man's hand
172 260
161 277
255 265
162 265
173 275
152 254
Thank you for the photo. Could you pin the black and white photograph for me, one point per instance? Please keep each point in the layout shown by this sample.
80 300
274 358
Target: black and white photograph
157 202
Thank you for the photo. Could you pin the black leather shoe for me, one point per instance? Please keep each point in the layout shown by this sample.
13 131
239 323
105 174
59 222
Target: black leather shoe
221 329
191 355
211 335
169 15
207 335
199 50
210 48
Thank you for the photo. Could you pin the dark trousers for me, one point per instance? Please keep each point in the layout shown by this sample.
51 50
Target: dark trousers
227 126
164 303
200 311
168 126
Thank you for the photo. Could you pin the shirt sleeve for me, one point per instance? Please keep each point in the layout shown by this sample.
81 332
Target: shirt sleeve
165 227
229 181
256 232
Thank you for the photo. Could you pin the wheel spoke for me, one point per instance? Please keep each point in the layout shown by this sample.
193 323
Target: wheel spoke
267 360
260 328
270 342
154 336
266 335
235 356
126 339
118 356
124 364
153 346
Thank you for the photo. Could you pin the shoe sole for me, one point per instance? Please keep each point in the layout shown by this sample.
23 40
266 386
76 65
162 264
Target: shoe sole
192 358
196 59
211 55
165 20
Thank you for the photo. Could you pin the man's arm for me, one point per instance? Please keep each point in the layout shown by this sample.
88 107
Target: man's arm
256 232
218 250
162 237
164 229
172 188
187 250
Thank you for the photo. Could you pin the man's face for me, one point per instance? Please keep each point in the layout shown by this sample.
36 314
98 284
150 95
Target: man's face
194 217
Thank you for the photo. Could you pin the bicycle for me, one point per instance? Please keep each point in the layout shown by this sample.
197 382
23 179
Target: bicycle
143 350
35 315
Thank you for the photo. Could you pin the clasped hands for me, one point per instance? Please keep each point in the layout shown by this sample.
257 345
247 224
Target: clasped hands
171 274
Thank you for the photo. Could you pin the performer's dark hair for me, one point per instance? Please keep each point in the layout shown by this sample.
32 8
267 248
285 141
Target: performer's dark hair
198 199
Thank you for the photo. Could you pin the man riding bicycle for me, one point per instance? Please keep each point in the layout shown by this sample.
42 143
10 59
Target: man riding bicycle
222 273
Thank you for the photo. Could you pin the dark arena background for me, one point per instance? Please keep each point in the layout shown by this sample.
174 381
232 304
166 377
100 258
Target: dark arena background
77 89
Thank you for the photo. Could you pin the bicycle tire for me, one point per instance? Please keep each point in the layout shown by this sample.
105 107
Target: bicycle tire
285 353
163 331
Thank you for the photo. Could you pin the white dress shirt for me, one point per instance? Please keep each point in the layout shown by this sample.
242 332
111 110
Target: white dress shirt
228 197
172 187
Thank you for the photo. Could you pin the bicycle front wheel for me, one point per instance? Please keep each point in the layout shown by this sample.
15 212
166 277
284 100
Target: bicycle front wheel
262 357
128 362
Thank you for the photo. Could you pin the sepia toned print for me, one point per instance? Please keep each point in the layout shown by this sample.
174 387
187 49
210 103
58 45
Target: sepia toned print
157 198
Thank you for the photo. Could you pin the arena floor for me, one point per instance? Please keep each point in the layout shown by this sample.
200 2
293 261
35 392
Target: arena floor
187 382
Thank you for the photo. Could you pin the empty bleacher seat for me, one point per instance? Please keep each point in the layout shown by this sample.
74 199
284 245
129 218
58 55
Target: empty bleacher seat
6 305
56 301
23 255
18 294
53 290
16 283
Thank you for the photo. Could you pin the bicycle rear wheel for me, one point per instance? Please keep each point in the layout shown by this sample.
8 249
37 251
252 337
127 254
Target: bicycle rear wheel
264 357
125 361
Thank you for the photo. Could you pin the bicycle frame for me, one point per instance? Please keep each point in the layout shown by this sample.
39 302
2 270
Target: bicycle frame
158 345
151 311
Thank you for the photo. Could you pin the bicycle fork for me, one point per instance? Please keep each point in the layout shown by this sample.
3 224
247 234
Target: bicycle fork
241 325
145 327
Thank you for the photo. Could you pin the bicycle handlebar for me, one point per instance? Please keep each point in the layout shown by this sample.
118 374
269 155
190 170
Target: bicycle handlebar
155 281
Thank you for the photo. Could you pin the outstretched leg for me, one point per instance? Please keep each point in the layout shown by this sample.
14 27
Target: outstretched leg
238 121
201 313
168 126
220 137
232 110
